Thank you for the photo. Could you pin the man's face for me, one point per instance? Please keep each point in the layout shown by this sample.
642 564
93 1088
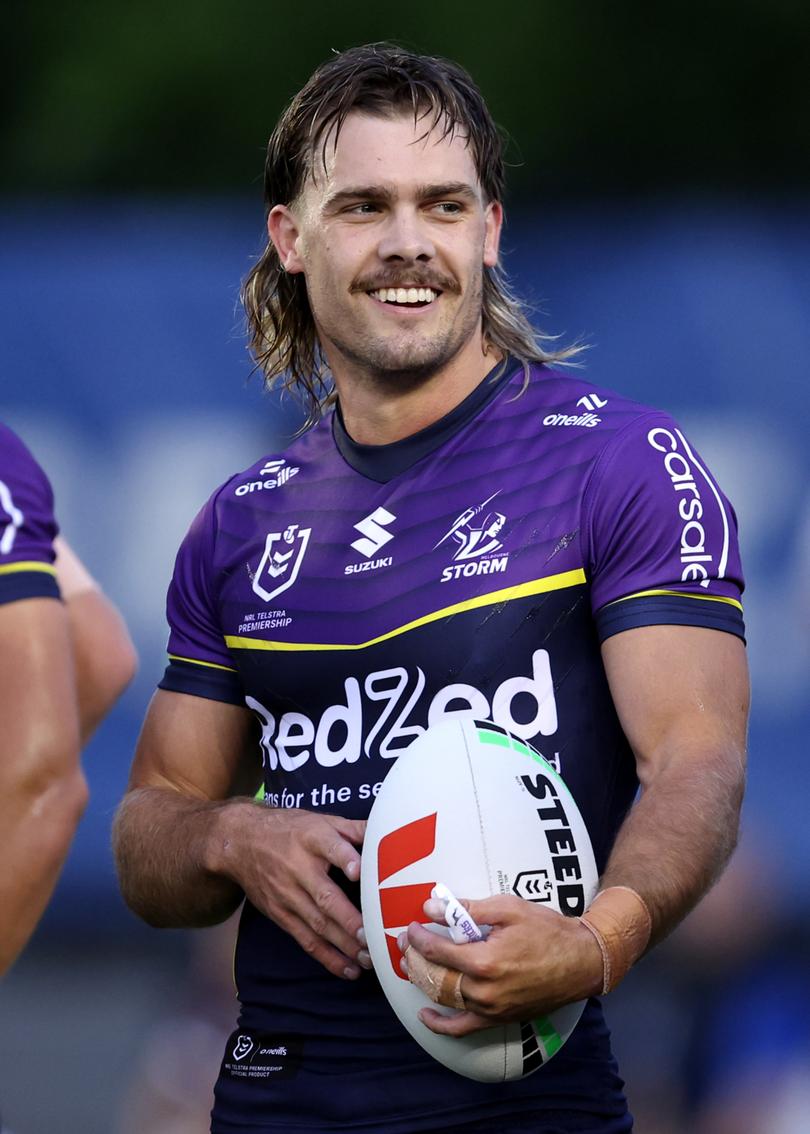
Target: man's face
392 238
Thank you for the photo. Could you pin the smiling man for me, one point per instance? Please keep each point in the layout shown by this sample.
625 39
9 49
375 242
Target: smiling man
464 529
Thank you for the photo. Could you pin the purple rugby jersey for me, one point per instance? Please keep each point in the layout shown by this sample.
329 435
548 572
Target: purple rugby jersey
27 524
351 595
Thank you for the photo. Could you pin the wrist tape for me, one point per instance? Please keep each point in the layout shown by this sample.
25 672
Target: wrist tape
621 923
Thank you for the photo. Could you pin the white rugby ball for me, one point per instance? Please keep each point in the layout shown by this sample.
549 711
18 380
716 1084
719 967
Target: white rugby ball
470 805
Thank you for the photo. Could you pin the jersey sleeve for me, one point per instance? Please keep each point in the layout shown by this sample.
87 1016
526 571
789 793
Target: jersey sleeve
199 662
661 538
27 524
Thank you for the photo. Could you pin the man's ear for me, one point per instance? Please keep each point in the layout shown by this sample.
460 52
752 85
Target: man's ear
282 228
492 237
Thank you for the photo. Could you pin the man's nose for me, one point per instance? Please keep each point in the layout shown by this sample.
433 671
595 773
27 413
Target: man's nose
406 237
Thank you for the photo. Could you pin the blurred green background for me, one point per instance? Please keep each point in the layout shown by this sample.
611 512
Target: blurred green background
599 97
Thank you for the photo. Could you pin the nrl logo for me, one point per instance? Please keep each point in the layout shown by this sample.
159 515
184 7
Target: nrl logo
242 1047
283 553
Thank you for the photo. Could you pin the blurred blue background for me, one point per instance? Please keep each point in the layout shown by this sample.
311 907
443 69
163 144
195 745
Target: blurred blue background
124 367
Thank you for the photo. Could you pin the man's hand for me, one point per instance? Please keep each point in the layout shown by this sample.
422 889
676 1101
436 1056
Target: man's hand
190 840
281 859
533 961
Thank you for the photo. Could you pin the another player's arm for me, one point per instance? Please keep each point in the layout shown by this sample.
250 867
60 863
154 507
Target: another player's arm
188 847
681 693
42 789
104 657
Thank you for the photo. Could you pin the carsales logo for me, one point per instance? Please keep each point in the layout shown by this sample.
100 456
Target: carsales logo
681 465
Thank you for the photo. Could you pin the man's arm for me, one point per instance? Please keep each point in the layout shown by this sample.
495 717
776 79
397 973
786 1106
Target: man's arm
104 657
42 789
681 693
188 847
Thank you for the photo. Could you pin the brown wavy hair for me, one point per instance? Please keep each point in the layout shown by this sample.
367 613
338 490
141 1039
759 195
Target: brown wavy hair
380 79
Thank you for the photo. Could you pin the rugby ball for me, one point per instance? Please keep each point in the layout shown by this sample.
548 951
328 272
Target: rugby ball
471 806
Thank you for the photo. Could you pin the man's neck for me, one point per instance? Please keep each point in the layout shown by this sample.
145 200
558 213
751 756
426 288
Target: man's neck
379 414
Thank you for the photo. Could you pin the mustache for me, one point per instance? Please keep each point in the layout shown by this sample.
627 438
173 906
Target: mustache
406 277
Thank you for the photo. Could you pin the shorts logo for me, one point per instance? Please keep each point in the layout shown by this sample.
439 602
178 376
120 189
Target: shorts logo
242 1047
15 519
282 562
400 905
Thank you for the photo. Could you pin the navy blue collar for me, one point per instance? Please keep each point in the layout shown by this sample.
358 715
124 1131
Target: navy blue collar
383 462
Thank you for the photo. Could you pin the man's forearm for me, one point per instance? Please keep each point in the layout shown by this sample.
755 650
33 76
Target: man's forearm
38 825
103 655
678 836
171 852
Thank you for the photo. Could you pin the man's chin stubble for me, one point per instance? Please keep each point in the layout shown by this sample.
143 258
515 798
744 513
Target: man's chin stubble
388 369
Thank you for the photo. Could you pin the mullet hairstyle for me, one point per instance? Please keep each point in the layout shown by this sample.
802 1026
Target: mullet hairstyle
383 80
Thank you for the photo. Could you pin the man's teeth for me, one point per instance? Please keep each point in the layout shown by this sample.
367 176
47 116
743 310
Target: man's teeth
404 294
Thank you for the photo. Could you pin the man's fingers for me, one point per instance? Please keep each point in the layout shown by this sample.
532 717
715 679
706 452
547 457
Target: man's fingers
320 949
502 909
441 950
336 843
459 1024
330 915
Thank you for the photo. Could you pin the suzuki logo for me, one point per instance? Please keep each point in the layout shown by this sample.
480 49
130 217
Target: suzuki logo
400 905
374 534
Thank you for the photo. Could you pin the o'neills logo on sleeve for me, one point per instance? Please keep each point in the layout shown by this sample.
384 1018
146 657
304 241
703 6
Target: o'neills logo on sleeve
699 562
586 420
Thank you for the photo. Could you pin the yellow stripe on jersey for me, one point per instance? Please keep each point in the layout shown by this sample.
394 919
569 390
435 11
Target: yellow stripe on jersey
679 594
536 587
28 565
196 661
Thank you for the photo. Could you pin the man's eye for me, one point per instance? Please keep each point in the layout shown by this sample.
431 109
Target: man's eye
364 208
448 208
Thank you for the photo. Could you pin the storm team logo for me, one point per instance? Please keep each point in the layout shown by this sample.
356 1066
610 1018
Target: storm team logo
473 537
283 554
